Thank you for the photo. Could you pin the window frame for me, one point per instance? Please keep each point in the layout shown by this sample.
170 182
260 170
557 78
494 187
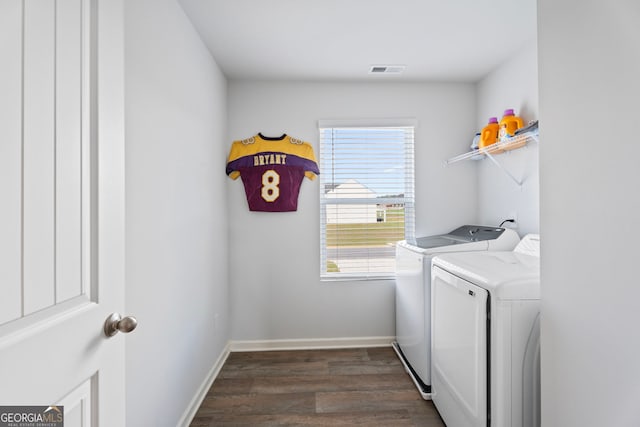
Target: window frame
408 198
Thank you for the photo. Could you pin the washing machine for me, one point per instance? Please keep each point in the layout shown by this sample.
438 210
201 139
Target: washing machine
413 290
486 337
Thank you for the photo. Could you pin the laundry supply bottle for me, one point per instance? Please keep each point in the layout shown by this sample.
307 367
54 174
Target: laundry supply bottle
476 141
509 124
489 135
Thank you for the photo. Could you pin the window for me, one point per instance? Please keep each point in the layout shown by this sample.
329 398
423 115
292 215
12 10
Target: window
366 198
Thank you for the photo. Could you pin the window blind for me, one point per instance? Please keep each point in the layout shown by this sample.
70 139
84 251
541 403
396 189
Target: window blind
366 199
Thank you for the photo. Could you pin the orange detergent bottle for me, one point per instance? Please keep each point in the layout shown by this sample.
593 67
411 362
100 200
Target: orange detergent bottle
489 134
509 124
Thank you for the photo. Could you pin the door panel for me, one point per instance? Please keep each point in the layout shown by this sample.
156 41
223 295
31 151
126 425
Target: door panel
62 187
78 403
68 150
10 159
45 153
38 155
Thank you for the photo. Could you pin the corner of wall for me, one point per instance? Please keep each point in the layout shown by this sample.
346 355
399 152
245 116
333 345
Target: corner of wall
514 84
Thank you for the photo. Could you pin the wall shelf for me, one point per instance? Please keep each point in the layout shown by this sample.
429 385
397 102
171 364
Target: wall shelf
500 147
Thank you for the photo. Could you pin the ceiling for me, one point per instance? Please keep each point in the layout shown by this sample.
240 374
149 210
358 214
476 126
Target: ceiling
339 40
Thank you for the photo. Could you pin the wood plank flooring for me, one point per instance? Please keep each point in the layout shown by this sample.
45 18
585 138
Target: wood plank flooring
344 387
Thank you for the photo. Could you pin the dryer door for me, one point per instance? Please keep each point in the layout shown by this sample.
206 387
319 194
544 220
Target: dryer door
459 350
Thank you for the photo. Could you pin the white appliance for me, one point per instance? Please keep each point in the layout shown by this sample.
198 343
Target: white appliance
486 337
413 291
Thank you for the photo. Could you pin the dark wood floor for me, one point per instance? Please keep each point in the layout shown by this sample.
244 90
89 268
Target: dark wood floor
345 387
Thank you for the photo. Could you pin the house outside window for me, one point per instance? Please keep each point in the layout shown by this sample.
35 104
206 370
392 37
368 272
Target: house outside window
366 197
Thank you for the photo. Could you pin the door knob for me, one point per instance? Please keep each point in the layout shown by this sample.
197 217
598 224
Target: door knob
115 323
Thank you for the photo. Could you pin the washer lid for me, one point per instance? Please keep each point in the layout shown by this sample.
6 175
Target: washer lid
465 238
438 241
506 275
441 244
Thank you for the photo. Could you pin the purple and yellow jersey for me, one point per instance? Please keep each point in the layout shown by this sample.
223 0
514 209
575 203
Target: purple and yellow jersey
272 170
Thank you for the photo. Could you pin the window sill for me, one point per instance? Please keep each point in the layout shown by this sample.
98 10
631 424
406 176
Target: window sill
356 277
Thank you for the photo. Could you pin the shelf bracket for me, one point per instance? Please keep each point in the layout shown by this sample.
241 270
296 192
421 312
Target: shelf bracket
497 163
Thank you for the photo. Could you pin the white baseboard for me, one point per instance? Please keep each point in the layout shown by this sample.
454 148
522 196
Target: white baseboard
195 403
312 344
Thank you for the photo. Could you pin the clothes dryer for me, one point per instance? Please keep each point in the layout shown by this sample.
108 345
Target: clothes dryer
486 337
413 290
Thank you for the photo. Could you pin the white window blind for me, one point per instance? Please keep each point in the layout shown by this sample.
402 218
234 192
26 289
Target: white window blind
366 199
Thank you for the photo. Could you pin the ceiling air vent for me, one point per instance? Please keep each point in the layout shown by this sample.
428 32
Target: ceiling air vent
386 69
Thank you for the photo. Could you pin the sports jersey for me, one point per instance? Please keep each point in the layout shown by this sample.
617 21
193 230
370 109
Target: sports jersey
272 170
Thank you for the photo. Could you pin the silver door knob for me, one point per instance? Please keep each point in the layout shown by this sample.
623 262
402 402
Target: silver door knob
115 324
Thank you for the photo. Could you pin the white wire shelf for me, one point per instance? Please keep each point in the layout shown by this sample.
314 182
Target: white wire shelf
513 143
497 148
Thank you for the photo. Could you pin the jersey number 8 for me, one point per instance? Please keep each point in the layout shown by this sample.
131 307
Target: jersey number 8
270 191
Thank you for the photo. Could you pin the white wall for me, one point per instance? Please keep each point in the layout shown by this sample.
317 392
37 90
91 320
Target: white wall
514 84
589 92
274 257
176 221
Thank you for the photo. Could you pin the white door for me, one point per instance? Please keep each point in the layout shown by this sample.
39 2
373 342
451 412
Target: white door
62 206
